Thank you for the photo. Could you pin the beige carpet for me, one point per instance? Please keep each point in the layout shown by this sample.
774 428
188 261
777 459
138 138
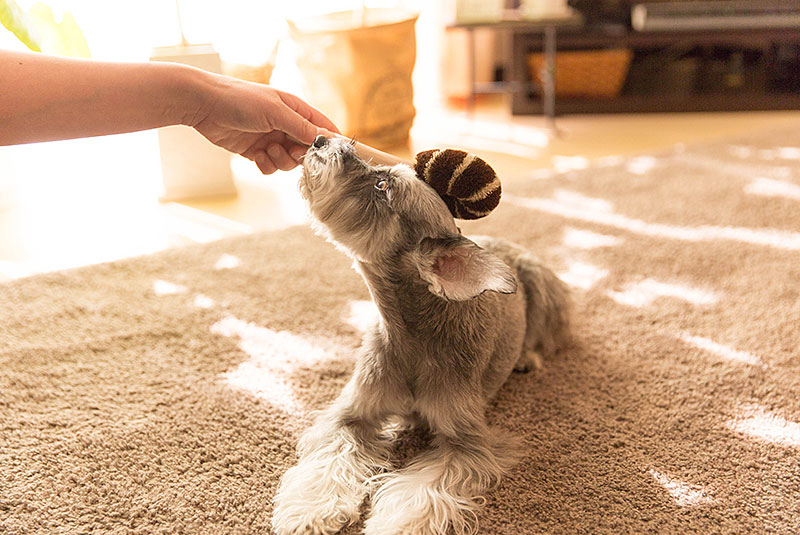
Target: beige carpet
164 394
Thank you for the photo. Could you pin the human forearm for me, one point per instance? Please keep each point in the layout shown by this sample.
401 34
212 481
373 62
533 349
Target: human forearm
44 98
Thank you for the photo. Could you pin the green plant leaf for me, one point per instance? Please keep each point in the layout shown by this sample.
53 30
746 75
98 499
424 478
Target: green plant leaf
72 37
17 22
38 29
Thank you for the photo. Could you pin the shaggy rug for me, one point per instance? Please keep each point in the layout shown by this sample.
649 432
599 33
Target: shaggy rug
164 394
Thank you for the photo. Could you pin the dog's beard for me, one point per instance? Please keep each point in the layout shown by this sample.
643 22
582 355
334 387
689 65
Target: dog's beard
320 169
357 227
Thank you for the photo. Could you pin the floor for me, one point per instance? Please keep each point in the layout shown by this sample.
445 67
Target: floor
72 203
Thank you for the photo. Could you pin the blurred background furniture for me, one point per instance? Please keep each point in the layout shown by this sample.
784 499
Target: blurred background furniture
519 81
627 56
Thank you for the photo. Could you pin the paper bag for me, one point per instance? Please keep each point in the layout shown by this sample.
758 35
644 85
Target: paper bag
357 69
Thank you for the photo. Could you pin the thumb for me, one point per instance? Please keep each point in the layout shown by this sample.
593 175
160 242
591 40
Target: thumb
303 121
297 127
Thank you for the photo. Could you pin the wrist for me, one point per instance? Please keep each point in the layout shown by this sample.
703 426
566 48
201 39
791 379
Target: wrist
188 91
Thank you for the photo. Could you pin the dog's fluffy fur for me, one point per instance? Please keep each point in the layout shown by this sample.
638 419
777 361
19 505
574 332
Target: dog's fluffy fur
456 316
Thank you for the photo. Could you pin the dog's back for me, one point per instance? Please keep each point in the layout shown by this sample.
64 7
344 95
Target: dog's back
546 297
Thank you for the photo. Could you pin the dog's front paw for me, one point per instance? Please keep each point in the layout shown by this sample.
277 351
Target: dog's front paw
528 360
419 504
314 499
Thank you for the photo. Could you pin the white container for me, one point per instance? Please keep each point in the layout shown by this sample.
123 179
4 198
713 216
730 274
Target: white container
473 11
192 167
544 9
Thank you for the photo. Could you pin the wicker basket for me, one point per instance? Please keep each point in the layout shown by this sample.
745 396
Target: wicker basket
586 73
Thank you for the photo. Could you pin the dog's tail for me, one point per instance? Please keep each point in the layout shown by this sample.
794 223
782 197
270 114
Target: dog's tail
548 307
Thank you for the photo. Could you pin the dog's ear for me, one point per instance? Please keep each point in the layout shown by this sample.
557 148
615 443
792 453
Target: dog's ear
457 269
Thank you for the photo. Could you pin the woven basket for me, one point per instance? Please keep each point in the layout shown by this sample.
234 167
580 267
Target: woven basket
586 73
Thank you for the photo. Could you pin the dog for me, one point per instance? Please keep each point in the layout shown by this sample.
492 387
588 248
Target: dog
456 317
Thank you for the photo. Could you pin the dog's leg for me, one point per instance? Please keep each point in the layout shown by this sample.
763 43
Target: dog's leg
528 360
438 492
341 450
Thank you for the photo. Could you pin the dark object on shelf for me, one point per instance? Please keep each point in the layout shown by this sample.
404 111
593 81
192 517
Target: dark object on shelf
662 72
603 11
785 74
733 70
717 15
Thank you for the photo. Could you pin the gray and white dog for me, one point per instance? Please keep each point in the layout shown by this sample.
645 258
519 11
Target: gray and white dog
456 317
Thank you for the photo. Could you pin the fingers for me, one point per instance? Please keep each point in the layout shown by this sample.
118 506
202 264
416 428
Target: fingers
264 164
273 159
306 121
284 157
296 150
280 158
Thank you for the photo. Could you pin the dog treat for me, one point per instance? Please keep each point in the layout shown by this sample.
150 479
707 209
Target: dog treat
375 156
468 185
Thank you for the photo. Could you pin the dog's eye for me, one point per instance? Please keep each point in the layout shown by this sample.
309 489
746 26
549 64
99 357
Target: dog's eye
382 185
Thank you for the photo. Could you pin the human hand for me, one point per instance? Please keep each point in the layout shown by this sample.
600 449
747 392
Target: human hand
270 127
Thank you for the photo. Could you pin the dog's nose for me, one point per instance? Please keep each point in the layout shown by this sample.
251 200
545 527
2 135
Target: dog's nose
320 141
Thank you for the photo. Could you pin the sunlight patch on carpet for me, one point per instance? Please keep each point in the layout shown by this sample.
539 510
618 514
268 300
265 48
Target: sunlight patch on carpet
586 239
643 293
767 237
767 187
265 383
578 200
227 261
641 165
541 174
609 161
161 287
564 164
780 153
741 151
684 494
582 275
274 357
203 301
763 425
728 353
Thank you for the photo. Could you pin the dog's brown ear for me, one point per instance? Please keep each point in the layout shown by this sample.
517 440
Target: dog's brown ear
468 185
457 269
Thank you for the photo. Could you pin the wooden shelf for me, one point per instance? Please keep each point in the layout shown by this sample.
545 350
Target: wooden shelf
662 103
526 41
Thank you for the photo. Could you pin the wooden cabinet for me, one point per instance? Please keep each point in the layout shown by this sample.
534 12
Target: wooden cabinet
669 71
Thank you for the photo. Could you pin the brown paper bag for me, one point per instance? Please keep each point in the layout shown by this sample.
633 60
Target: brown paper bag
357 69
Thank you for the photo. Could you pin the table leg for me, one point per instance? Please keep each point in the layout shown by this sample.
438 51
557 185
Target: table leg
549 84
471 70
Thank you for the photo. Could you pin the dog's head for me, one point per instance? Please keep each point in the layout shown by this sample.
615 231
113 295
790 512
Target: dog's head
380 214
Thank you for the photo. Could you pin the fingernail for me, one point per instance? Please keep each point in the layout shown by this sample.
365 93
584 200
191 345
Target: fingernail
298 155
274 152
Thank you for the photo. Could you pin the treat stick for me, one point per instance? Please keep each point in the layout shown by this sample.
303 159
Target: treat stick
377 157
